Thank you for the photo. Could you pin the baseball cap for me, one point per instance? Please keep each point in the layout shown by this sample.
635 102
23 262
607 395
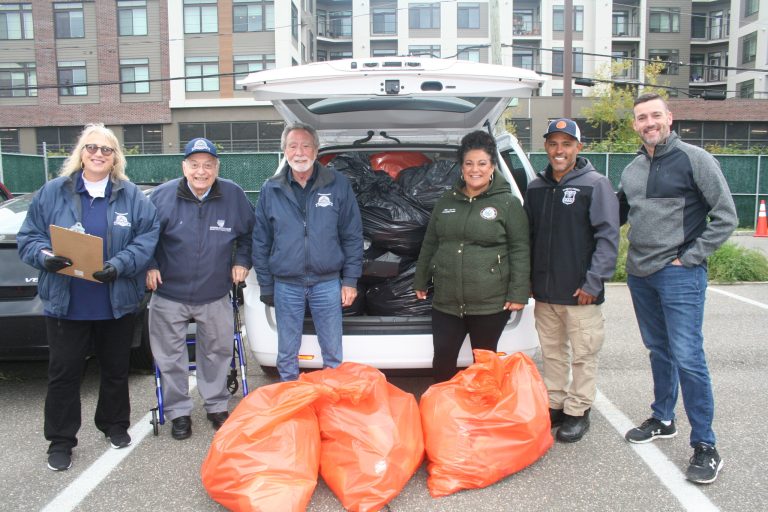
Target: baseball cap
568 126
200 145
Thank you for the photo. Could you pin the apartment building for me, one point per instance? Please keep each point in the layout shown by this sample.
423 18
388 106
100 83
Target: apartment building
162 71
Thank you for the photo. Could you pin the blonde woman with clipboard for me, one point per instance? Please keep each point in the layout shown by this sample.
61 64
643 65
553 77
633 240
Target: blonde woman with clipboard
92 195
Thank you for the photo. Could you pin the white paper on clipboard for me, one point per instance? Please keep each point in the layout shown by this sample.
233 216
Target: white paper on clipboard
85 251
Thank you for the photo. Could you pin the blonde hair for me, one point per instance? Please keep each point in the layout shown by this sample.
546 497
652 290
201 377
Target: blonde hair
74 161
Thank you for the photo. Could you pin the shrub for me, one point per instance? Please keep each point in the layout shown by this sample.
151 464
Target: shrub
730 263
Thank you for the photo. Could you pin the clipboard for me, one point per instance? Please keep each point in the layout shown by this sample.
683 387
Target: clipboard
85 251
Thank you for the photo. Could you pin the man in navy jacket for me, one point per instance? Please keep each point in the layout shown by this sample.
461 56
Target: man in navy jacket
307 248
204 247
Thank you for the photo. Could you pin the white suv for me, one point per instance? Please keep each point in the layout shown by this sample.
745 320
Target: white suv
381 106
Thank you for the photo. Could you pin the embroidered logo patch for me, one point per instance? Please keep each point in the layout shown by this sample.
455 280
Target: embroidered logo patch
449 210
489 213
121 219
323 200
569 195
220 226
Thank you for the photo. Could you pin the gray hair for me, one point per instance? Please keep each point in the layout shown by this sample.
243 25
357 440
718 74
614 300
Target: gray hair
74 161
299 126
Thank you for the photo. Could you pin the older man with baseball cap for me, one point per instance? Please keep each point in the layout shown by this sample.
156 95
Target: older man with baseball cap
573 215
204 247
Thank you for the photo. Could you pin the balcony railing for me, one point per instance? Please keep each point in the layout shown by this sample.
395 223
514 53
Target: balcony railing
712 34
626 30
526 28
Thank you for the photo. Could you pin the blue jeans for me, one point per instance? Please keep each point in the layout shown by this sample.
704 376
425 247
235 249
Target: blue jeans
324 300
669 305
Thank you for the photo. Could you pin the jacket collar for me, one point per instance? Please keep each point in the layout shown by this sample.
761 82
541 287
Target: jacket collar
323 176
183 191
582 166
662 149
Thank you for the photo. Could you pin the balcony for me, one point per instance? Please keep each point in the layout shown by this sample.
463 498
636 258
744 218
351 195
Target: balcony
715 33
621 30
526 29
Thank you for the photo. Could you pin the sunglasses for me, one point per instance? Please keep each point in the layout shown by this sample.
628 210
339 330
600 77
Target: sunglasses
105 150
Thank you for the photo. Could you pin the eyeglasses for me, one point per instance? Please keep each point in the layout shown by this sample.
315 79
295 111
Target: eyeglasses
92 148
208 166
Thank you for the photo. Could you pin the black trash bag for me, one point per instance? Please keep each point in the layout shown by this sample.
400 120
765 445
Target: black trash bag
391 220
356 167
396 297
427 183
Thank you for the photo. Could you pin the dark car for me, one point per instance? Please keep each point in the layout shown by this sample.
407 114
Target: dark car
5 194
22 325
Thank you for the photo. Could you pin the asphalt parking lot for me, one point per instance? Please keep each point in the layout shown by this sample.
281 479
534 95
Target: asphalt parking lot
601 472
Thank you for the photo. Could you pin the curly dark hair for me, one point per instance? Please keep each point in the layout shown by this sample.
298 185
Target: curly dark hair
478 139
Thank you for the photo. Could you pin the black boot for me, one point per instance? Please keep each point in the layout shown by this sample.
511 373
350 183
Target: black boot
574 428
556 417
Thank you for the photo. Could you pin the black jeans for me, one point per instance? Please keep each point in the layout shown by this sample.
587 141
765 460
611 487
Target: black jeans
70 342
449 331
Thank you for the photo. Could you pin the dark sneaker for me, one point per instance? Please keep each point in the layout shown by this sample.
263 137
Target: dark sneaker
182 427
651 429
217 418
574 428
705 464
59 461
120 440
556 417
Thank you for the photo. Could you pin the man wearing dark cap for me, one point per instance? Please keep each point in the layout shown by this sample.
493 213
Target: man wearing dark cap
573 216
205 246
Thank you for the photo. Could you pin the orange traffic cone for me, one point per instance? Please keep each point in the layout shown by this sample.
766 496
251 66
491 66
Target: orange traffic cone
762 222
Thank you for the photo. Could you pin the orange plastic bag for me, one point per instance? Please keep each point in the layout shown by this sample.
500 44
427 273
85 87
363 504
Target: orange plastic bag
372 442
392 162
266 456
489 421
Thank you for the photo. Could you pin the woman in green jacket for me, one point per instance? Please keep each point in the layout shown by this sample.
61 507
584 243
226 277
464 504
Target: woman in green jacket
476 254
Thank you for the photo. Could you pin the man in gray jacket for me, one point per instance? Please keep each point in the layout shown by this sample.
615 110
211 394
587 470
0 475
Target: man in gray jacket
668 192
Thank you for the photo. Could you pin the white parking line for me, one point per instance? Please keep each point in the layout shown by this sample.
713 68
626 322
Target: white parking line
688 494
71 496
739 297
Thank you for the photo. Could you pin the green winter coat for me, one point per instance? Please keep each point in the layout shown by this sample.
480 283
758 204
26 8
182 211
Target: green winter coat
476 251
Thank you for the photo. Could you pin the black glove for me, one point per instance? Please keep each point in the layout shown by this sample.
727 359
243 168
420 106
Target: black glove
269 300
107 274
56 263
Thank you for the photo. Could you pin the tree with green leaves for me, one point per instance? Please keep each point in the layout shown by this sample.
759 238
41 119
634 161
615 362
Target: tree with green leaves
612 105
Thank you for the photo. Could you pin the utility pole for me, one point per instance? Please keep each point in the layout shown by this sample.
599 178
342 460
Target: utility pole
568 58
493 7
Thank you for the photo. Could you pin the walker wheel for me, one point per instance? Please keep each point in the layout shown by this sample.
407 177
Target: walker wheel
155 422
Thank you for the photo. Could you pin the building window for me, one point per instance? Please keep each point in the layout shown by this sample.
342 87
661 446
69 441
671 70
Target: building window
57 138
664 20
134 74
294 22
250 16
574 92
751 7
383 52
558 18
245 64
468 52
384 21
749 48
469 16
16 21
523 24
68 20
424 50
72 73
18 79
200 17
341 54
620 23
202 74
747 89
132 17
697 67
340 23
698 26
669 57
715 73
322 55
261 136
577 56
718 25
424 16
524 58
9 140
146 138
